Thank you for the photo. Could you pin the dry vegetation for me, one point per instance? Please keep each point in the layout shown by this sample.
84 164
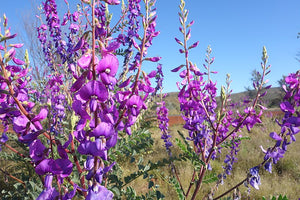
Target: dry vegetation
284 179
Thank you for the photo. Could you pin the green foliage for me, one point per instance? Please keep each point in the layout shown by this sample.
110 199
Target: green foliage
32 189
132 149
228 144
210 178
188 153
280 197
173 181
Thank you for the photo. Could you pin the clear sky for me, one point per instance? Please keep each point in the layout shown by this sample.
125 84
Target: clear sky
236 31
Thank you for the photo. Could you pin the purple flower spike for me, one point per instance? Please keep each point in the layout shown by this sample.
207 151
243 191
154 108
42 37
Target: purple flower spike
94 88
99 192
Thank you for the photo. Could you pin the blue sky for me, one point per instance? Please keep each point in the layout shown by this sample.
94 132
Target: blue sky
236 31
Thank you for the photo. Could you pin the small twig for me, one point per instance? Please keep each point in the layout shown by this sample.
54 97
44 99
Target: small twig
13 177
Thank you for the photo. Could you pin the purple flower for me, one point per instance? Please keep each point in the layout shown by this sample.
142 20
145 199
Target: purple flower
135 104
99 192
97 148
37 150
93 88
49 193
255 178
108 64
275 136
103 129
61 167
287 107
79 110
107 69
3 138
89 163
112 2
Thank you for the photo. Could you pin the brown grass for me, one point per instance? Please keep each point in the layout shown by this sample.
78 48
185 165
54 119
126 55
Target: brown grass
285 178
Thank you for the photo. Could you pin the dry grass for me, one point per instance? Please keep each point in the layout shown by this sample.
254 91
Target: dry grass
285 178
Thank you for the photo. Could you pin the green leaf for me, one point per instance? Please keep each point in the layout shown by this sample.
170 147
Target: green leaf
210 178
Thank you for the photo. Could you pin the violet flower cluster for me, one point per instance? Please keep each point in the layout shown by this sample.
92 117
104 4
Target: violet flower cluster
88 96
162 112
210 126
289 128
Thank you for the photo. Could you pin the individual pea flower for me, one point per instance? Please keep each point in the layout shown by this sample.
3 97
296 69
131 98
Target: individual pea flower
255 177
97 148
98 191
3 139
107 69
37 151
112 2
49 193
93 89
60 167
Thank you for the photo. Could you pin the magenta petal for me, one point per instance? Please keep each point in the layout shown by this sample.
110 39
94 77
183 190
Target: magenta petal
11 53
287 107
94 88
125 83
79 45
42 115
20 123
153 59
112 141
112 2
78 83
108 64
85 61
152 74
177 68
16 45
18 61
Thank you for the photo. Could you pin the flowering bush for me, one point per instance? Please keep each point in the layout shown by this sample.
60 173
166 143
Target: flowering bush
74 128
